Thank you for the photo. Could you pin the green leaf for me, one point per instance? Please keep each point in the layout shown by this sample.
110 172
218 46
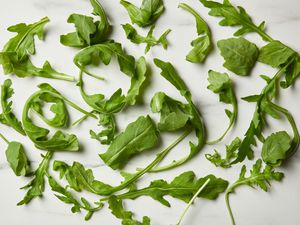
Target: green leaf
104 53
118 211
232 16
81 179
139 136
231 154
108 122
183 187
275 148
87 32
258 177
202 45
17 158
240 55
37 184
174 114
23 43
134 37
275 54
7 116
221 84
291 74
59 141
147 14
67 197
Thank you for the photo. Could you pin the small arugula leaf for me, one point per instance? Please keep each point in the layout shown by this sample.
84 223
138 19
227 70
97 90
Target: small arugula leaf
202 45
183 187
67 197
275 54
275 148
291 74
257 177
117 209
139 136
81 179
240 55
137 81
221 84
232 16
7 117
17 158
107 121
134 37
37 184
231 153
87 32
147 14
174 114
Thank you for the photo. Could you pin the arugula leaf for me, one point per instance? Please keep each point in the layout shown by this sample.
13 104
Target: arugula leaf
170 74
231 153
221 84
7 117
292 73
17 158
134 37
183 187
104 52
118 210
240 55
202 45
275 54
107 121
15 56
67 197
275 148
139 136
147 14
257 177
87 32
37 184
232 16
174 114
59 141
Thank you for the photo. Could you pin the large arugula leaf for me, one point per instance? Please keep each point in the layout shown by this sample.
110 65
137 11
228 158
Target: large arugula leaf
59 141
170 74
151 41
240 55
37 184
221 84
81 179
183 187
15 56
117 209
202 45
258 177
147 14
138 136
87 32
235 16
67 197
7 116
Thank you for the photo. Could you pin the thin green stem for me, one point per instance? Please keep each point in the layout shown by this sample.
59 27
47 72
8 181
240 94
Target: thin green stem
229 208
4 139
192 200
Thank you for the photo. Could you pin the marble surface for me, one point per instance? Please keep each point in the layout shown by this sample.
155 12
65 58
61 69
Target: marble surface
279 206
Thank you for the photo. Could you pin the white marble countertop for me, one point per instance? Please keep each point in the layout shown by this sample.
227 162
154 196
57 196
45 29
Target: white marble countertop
279 206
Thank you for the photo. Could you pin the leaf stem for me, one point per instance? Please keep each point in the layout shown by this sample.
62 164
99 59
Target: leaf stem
4 139
192 200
